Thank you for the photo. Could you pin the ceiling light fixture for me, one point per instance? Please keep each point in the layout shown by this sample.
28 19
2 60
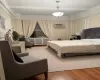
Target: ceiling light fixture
58 13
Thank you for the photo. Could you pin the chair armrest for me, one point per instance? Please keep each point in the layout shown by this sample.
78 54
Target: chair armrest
23 54
33 68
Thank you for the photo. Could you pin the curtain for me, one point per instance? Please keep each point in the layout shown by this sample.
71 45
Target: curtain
17 26
28 27
46 27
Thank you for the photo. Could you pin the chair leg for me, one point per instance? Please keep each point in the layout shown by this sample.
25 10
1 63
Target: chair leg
46 75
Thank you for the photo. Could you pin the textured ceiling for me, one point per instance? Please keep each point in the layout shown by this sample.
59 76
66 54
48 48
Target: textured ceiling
47 7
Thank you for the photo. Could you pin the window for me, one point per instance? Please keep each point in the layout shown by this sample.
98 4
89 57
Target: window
38 32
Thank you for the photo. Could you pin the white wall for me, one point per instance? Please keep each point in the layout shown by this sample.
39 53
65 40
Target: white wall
71 26
88 19
8 20
55 33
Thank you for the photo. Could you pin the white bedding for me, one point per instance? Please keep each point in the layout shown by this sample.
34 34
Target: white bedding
75 46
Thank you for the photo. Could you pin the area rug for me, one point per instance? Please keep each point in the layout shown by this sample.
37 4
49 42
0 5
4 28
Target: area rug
69 63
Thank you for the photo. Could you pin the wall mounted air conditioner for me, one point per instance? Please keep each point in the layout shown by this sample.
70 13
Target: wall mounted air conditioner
59 26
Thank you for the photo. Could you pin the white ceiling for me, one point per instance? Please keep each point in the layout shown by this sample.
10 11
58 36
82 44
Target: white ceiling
47 7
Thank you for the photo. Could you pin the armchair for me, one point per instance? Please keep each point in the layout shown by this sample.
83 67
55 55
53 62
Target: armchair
15 70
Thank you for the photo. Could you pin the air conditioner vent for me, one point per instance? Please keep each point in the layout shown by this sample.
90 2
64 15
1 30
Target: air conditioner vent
59 26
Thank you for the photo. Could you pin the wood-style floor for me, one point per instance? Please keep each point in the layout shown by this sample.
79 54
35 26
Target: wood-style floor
82 74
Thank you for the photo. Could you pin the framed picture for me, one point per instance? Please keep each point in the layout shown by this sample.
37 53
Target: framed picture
2 22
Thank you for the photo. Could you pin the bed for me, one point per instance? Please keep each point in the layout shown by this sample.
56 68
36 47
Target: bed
89 44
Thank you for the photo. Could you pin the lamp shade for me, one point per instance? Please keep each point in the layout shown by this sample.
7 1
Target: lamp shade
58 14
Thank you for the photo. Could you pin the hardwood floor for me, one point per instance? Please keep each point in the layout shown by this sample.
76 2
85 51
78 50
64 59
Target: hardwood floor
81 74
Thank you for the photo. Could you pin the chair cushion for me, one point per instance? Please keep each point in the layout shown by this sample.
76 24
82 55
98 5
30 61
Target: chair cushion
17 58
28 59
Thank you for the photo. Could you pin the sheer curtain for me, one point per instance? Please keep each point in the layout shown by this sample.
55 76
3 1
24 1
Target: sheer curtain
28 27
17 26
46 27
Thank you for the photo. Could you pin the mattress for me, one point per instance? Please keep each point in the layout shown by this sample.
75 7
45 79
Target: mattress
75 46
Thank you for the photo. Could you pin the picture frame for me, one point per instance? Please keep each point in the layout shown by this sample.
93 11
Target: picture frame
2 22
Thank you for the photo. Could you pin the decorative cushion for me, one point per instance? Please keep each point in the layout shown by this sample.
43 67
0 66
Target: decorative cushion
15 35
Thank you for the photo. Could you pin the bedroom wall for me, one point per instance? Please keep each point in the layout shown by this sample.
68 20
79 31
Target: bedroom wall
88 19
74 26
55 33
87 22
8 20
71 27
62 33
93 21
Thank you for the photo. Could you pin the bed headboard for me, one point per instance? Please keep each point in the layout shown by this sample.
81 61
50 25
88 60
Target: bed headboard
91 33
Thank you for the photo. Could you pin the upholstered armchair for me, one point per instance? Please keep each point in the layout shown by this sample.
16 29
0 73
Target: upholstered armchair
16 70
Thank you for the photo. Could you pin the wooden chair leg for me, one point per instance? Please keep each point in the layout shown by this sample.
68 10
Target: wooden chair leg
46 75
